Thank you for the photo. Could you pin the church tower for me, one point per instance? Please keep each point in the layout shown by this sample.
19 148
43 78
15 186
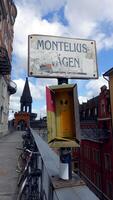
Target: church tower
26 99
25 117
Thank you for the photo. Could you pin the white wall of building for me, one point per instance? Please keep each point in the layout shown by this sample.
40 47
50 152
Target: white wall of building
4 106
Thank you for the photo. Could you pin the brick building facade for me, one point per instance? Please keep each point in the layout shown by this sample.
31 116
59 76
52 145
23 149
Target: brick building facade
8 14
96 150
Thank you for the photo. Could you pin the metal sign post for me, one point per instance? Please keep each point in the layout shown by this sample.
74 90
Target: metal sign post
65 153
62 80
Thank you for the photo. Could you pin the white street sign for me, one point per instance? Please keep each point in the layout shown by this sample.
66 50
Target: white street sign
51 56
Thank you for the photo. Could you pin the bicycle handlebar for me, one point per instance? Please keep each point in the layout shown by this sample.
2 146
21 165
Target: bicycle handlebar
33 152
29 151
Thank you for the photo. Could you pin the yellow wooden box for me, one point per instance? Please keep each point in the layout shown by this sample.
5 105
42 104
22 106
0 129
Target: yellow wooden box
62 112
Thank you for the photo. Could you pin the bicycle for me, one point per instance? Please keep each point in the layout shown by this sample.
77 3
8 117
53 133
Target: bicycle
29 179
22 159
28 143
30 159
28 140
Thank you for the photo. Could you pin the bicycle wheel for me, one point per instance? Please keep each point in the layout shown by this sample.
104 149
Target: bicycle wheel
23 193
22 159
22 177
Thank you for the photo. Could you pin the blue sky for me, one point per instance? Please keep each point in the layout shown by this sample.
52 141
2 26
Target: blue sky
68 18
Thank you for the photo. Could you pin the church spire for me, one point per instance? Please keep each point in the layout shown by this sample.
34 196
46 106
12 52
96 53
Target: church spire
26 98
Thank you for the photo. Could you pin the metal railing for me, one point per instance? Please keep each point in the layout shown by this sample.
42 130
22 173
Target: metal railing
52 186
95 134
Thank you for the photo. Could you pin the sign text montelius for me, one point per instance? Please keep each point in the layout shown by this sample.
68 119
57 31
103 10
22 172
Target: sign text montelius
54 56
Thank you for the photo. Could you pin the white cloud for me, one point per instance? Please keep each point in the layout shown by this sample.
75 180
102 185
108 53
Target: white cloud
43 112
38 93
48 5
14 103
109 42
84 18
27 23
93 10
82 99
93 86
15 99
92 89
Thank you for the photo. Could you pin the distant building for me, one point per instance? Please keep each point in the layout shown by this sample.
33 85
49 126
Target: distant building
96 149
39 123
25 116
89 113
8 13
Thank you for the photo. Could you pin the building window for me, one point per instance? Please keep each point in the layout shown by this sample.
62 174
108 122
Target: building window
88 171
108 104
95 111
109 190
87 152
89 112
107 158
96 156
102 107
97 179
